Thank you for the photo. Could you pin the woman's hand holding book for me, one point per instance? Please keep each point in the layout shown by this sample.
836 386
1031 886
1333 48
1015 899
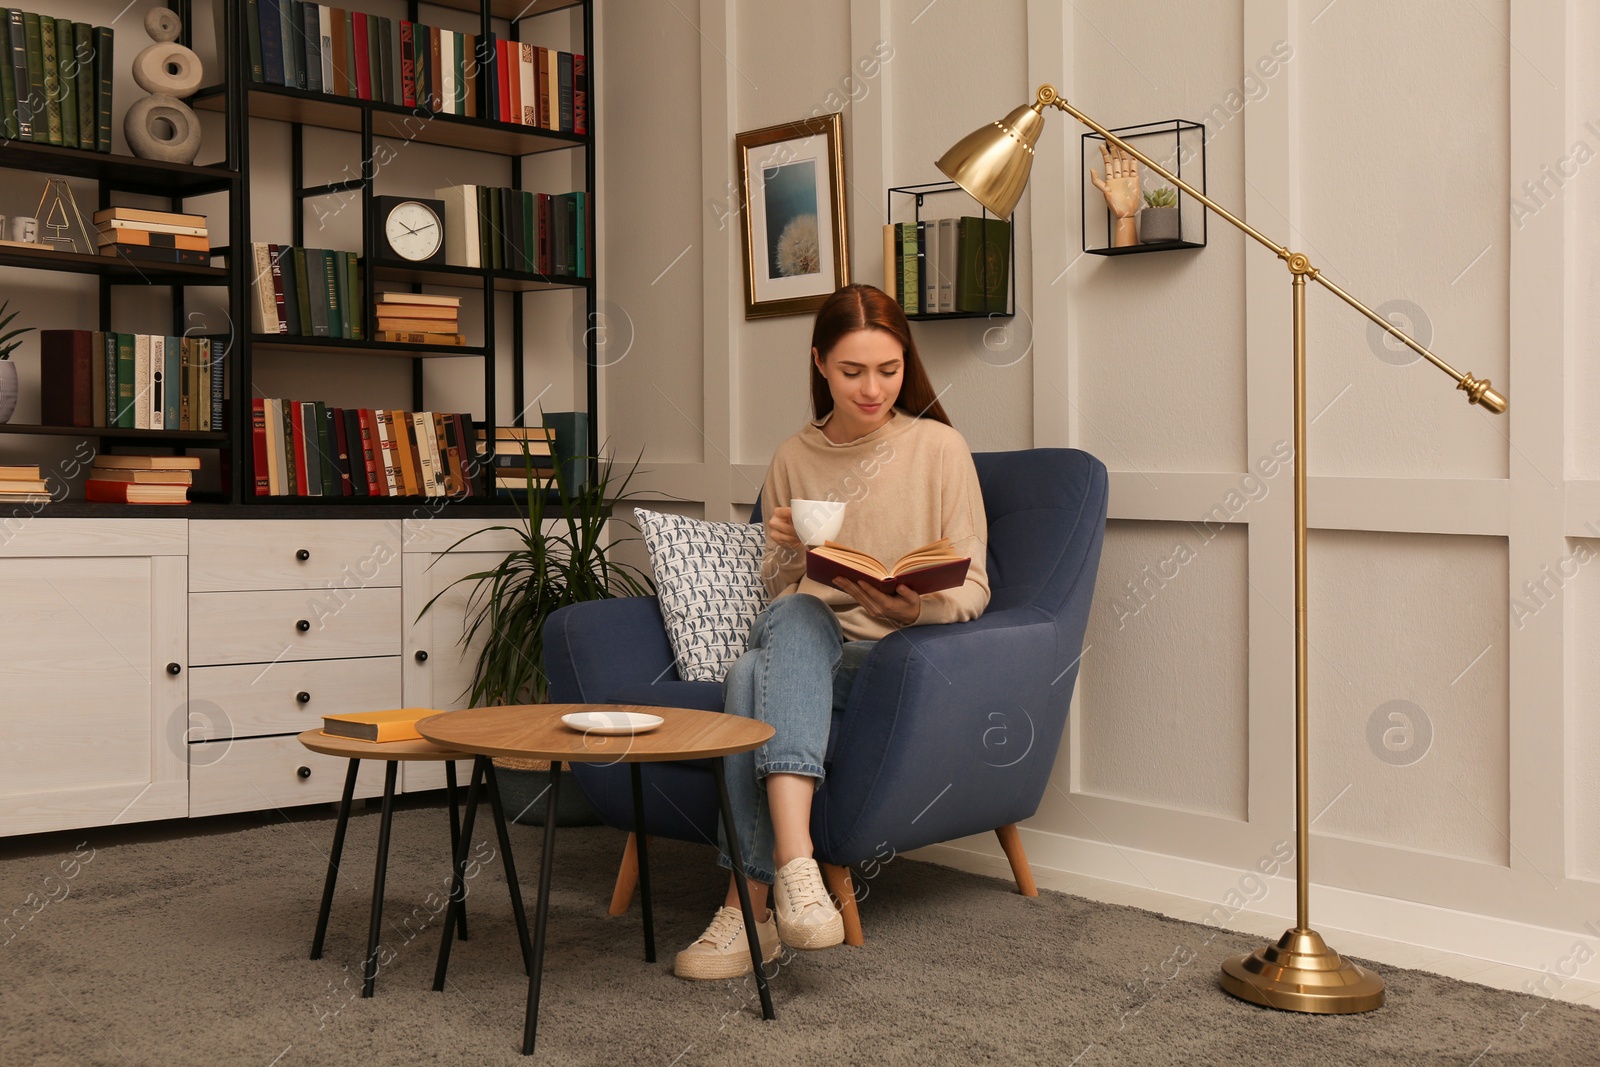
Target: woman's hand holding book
903 609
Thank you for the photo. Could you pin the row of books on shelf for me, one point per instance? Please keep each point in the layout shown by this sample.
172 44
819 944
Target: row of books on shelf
111 479
306 292
946 266
306 448
509 229
152 236
57 87
135 381
353 54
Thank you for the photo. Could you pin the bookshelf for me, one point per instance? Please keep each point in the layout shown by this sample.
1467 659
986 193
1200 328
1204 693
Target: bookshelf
361 128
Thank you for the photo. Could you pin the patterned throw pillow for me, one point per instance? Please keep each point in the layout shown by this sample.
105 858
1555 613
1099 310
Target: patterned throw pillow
708 578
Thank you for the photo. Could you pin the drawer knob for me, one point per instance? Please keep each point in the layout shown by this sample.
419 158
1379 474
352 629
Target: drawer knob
303 626
303 697
304 772
422 656
174 668
302 555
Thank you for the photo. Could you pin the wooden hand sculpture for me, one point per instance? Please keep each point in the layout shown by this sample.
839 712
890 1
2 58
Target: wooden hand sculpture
1121 188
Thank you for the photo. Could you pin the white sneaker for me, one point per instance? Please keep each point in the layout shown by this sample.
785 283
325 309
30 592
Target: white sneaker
723 951
807 917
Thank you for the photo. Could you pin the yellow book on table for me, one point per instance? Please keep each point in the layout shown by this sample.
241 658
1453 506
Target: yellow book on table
398 724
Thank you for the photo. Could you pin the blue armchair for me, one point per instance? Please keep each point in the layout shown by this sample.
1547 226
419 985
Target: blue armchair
949 731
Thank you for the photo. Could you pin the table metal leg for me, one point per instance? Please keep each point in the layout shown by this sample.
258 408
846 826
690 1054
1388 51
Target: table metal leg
530 1023
744 889
333 859
644 862
455 830
511 869
370 972
458 883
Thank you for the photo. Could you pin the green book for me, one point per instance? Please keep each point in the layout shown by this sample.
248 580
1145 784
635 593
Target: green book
103 70
497 244
911 286
67 82
83 75
332 291
171 382
485 230
328 466
983 253
302 292
30 29
350 53
8 87
530 239
109 356
355 304
126 397
252 22
570 448
52 78
580 232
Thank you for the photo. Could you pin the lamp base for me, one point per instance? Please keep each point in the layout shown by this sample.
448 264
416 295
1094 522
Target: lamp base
1301 973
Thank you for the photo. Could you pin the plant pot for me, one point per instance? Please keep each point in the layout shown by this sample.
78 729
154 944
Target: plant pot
1158 224
8 389
524 796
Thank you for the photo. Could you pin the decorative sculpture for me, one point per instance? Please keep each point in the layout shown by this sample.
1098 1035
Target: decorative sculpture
162 126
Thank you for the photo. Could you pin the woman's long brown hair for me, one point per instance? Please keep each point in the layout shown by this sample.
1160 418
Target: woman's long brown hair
865 307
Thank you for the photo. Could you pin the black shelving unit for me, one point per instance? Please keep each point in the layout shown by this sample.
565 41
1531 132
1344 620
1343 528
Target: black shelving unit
918 196
1176 144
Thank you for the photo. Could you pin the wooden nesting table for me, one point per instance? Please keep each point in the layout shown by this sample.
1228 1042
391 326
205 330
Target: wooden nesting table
535 731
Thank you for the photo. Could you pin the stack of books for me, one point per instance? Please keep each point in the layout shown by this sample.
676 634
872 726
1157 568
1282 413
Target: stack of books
306 448
56 89
523 457
419 319
152 236
141 479
136 381
948 266
306 292
21 484
508 229
340 52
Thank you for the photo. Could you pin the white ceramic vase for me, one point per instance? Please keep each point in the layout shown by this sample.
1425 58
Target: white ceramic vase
8 389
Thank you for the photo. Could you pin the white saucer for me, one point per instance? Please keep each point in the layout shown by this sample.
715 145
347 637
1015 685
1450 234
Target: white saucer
612 722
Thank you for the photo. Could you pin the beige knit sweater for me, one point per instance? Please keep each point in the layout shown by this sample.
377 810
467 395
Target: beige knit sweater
906 484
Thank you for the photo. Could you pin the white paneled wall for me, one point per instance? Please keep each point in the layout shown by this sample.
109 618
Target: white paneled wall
1389 141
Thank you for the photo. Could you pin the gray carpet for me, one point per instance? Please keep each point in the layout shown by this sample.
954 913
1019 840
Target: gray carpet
187 944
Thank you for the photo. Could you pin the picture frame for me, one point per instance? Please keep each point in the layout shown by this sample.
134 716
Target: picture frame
796 234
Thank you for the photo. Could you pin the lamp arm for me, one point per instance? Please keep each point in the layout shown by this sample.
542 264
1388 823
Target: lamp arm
1478 390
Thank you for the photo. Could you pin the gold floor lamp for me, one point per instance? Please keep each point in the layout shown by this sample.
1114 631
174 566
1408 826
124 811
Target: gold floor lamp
1299 972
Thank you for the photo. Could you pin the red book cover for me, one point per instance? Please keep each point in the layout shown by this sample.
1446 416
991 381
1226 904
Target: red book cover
408 64
580 94
258 442
507 81
297 429
66 388
928 579
358 30
376 486
134 492
273 254
342 450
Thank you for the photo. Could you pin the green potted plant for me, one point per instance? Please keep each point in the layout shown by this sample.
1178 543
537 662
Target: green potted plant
561 558
1159 220
8 369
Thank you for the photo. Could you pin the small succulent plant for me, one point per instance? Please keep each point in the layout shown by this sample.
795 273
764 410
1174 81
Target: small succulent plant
7 345
1162 197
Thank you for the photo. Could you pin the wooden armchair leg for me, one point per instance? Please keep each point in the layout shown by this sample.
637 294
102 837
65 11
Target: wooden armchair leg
1011 842
627 878
843 888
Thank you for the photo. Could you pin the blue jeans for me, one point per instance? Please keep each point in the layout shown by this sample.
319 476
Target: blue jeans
797 667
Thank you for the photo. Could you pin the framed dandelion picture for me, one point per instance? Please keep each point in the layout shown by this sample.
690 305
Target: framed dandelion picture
796 243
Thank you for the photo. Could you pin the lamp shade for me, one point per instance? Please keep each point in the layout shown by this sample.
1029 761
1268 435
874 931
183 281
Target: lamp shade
992 162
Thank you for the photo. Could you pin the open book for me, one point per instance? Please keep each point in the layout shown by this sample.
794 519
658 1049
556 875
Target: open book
926 570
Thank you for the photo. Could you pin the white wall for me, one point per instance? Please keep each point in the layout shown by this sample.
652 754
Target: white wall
1391 143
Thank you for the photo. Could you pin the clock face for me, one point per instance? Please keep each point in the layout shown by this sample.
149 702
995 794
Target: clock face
413 231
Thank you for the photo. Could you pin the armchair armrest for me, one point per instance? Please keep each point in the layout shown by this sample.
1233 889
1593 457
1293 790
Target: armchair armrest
597 646
950 730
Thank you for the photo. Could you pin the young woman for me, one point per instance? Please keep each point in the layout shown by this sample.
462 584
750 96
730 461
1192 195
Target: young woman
882 444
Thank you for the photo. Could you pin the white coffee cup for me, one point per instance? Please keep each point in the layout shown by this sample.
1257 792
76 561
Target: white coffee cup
816 521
